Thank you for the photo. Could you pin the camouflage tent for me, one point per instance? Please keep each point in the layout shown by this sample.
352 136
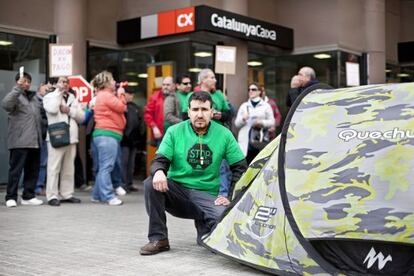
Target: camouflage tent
334 193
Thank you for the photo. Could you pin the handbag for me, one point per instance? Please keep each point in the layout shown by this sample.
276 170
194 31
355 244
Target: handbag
258 138
59 135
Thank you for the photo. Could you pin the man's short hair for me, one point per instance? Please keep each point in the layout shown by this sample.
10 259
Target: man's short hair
25 75
53 80
203 74
308 71
180 78
201 96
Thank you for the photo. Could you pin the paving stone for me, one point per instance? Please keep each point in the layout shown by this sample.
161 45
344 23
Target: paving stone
97 239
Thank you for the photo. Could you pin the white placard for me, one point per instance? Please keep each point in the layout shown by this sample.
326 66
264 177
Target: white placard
225 60
225 54
61 60
352 74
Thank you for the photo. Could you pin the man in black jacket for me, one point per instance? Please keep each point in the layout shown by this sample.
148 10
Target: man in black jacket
305 78
130 140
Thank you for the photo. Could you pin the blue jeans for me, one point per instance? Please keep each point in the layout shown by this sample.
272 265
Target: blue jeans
116 174
41 180
107 149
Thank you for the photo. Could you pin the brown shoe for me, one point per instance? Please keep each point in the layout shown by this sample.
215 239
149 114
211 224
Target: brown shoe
155 247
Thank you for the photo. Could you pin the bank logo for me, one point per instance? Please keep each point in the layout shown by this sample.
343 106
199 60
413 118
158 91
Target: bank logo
259 224
184 20
350 134
199 156
372 257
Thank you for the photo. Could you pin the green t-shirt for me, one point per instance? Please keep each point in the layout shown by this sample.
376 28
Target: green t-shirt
195 160
183 99
219 101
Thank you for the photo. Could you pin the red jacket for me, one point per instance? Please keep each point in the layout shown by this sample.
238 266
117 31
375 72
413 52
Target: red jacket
109 111
154 112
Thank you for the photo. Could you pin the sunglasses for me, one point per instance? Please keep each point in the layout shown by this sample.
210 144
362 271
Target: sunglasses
253 89
186 83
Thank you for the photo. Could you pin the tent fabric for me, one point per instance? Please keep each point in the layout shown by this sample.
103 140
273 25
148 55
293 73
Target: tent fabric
349 163
255 231
342 171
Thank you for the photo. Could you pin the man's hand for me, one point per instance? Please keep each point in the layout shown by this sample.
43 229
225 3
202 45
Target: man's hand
296 82
157 132
159 182
217 115
64 108
120 91
222 200
21 83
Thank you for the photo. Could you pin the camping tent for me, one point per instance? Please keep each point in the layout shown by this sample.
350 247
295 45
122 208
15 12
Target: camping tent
334 193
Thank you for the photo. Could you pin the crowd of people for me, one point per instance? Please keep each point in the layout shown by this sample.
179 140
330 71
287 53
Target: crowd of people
197 162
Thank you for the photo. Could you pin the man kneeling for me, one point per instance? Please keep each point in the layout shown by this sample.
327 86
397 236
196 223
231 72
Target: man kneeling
191 152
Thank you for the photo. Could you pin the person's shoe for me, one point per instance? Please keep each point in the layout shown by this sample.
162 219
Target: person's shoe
155 247
95 200
54 202
115 202
133 188
34 201
120 191
71 200
11 203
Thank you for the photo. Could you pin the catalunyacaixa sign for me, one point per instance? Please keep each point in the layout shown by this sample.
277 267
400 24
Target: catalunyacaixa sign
203 18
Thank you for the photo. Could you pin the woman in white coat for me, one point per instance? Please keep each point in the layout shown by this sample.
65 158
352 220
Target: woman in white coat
254 113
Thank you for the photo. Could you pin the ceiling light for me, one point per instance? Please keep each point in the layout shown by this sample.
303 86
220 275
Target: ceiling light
254 63
143 75
203 54
403 75
322 56
133 74
132 83
388 70
127 59
5 43
194 70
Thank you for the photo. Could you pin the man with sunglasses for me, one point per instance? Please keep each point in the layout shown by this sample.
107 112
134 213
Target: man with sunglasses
175 104
184 87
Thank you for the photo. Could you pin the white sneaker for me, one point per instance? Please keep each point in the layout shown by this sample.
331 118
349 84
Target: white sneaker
120 191
34 201
115 202
94 200
11 203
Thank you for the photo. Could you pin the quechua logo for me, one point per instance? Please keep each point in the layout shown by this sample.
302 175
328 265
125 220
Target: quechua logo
372 257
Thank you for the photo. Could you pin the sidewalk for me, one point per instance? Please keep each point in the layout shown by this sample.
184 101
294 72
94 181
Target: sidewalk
97 239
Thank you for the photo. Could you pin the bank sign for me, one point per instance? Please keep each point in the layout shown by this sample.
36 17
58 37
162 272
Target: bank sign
203 18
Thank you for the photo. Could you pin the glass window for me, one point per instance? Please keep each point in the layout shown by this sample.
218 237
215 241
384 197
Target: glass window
397 74
131 65
275 72
16 51
19 50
